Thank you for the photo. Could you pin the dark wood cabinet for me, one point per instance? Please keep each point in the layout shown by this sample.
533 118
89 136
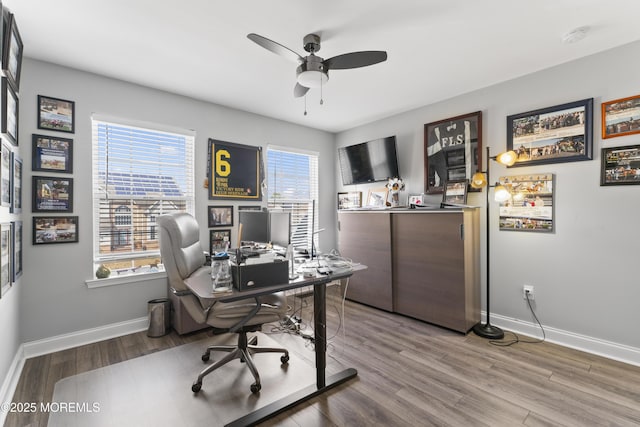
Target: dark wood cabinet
425 263
365 237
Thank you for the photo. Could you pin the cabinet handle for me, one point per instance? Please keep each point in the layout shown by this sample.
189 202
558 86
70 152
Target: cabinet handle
461 231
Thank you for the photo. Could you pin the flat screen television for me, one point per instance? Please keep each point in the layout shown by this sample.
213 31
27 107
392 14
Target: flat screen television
369 161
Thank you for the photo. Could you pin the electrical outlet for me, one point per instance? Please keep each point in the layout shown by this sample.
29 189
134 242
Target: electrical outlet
528 290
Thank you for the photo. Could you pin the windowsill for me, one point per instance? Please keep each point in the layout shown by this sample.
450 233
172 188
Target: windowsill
124 280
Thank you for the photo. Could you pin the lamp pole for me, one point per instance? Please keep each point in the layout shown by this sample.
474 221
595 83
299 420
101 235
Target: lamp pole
488 330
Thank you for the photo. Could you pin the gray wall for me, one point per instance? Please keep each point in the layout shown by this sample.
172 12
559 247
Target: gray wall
584 276
55 299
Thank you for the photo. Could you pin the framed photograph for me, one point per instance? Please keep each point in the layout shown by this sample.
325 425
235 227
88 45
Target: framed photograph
51 154
16 204
6 238
17 250
350 200
55 229
218 240
530 207
455 193
220 216
56 114
563 133
377 197
52 194
621 117
5 176
250 208
12 52
620 165
9 122
452 150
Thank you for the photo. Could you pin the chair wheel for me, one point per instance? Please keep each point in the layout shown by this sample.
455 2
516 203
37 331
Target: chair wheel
196 387
284 359
255 388
205 357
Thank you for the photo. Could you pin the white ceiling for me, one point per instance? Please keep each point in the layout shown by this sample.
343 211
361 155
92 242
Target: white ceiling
437 49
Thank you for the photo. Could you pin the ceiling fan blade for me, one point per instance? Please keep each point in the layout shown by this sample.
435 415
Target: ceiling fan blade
355 59
275 47
300 90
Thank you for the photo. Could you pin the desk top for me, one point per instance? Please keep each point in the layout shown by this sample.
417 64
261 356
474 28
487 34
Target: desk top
201 286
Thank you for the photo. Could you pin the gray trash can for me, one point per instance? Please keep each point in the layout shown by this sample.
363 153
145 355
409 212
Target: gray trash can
159 317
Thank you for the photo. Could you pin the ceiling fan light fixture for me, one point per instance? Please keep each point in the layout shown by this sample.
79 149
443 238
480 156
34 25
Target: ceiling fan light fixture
312 78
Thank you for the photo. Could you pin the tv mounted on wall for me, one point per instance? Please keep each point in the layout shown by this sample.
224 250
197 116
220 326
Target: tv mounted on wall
369 161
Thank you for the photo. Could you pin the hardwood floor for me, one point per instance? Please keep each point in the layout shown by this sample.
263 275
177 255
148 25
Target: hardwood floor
409 373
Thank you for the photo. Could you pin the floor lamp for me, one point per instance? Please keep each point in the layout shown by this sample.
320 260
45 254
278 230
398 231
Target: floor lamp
480 180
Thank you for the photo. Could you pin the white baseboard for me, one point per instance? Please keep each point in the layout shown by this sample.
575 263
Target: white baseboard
11 381
608 349
87 336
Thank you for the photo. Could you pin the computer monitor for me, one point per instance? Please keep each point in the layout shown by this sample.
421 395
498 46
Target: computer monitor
254 226
280 228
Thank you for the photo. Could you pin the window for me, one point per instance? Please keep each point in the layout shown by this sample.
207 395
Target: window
138 174
292 185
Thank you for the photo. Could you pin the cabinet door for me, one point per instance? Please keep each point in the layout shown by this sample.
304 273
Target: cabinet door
429 269
366 238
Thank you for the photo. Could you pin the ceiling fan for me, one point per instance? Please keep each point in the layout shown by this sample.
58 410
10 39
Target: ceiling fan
313 71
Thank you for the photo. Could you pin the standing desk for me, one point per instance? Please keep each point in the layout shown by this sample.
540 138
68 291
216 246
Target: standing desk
201 287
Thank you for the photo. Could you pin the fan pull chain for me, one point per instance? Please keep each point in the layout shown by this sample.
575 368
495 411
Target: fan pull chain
321 100
305 104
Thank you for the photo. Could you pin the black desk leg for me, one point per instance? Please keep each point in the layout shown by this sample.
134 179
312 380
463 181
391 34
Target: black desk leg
322 383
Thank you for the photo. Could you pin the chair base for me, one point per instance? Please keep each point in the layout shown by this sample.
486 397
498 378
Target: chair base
243 351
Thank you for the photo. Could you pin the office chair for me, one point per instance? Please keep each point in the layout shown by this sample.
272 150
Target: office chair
183 257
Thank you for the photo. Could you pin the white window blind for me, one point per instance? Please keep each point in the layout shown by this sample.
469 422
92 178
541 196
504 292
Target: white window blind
138 174
292 185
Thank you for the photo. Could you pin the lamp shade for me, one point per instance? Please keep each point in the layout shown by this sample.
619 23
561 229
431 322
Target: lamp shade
508 158
478 180
501 193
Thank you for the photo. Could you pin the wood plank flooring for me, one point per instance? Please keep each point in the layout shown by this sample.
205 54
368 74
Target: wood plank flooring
409 373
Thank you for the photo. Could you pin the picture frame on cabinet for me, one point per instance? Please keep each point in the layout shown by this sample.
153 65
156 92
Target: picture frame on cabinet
52 194
12 52
620 165
17 250
218 240
56 114
55 229
16 168
250 208
377 197
349 200
621 117
452 150
558 134
5 176
51 154
9 121
455 192
220 216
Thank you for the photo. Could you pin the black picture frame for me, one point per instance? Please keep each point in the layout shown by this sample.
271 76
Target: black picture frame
52 194
620 165
455 192
56 114
12 52
235 171
51 154
10 103
220 216
16 192
218 240
16 262
558 134
6 254
452 150
6 185
55 229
